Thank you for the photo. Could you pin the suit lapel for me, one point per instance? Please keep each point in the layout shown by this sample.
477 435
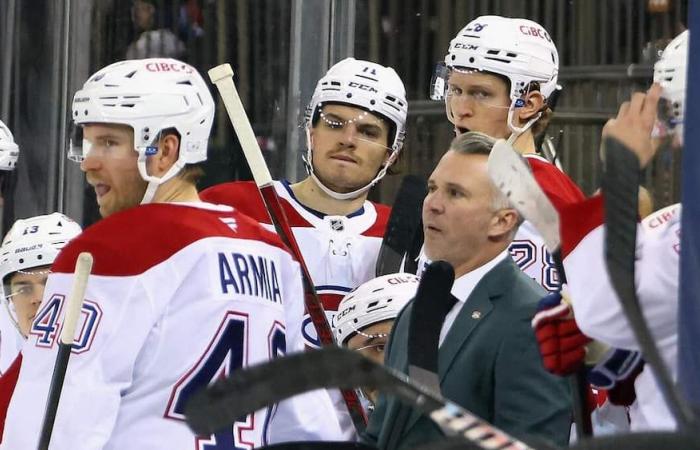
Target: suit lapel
490 286
473 312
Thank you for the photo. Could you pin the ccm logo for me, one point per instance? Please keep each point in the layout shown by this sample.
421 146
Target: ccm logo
363 87
534 31
168 67
344 312
466 46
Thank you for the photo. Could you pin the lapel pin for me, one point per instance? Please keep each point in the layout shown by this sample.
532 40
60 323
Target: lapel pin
476 315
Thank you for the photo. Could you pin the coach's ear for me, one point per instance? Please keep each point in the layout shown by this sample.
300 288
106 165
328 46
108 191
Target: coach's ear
168 152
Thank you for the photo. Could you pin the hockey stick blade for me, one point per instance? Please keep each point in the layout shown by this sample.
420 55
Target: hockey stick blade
248 390
404 223
83 267
222 77
620 187
429 309
512 175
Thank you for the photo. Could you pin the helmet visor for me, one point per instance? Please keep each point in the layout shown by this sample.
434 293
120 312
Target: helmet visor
76 150
438 82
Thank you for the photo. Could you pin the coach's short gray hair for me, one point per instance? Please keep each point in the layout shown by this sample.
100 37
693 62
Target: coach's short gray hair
476 143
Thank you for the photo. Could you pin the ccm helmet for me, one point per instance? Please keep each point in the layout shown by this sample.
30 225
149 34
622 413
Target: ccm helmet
519 49
365 85
376 300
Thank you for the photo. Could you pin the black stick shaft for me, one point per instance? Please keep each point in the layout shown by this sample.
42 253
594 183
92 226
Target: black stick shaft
620 189
59 374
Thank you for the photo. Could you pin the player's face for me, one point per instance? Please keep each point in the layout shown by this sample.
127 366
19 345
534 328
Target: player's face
26 290
458 210
110 167
372 347
349 147
479 102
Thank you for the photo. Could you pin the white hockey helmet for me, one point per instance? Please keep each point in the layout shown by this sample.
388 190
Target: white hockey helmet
34 242
670 71
372 302
149 95
518 49
367 85
9 151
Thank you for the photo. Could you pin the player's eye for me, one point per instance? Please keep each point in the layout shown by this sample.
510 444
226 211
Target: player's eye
454 90
370 132
479 94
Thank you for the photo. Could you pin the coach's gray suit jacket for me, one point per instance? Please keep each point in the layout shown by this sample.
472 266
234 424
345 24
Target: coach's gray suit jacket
489 363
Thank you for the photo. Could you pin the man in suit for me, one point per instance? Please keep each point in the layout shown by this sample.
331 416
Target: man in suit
488 360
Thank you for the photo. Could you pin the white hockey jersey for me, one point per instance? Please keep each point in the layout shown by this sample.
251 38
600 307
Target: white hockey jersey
180 295
597 308
340 251
10 339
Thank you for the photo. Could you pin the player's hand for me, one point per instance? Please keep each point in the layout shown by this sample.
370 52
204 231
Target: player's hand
634 123
562 345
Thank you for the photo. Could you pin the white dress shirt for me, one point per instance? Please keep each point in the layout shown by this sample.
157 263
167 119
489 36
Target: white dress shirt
463 288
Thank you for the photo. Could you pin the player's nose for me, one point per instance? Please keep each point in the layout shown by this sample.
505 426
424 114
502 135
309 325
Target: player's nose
349 135
90 162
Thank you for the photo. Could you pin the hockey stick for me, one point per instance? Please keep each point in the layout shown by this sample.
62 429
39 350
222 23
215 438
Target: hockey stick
620 185
513 177
248 390
540 139
83 267
623 441
429 309
222 77
404 224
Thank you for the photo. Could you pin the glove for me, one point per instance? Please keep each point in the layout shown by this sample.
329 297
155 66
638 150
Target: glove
562 345
617 372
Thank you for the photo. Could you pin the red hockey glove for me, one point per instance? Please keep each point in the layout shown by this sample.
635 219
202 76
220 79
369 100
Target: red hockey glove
562 345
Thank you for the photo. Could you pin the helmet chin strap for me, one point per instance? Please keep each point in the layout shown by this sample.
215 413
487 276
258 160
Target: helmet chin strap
308 162
154 182
515 131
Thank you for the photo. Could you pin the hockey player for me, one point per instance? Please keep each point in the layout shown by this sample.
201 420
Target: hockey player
355 125
9 338
181 293
497 78
365 316
26 254
597 308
